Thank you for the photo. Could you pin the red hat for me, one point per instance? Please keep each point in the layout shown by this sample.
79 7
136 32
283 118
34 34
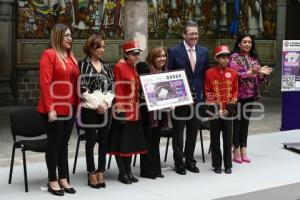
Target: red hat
222 50
131 46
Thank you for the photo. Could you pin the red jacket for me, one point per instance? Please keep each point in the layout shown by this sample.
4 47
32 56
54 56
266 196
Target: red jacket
127 90
221 87
58 86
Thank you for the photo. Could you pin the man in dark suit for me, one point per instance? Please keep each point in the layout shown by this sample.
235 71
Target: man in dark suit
193 59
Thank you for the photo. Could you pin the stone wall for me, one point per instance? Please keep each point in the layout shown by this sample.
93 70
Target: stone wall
28 87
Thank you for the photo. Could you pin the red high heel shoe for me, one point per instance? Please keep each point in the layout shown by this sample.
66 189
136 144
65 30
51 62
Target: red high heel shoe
237 159
244 155
246 159
237 156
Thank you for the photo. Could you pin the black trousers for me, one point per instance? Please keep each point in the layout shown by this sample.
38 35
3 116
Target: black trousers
216 127
58 135
241 123
150 162
124 164
96 134
192 126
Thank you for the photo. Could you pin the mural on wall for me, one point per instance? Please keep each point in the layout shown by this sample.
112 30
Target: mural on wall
37 17
216 18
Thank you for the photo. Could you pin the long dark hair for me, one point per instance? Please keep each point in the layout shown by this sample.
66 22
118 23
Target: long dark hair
237 49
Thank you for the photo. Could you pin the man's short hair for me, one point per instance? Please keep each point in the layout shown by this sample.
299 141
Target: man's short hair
189 24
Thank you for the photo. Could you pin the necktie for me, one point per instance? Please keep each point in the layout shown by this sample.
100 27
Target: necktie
192 59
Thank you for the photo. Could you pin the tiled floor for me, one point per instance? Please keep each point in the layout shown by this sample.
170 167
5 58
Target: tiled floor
271 166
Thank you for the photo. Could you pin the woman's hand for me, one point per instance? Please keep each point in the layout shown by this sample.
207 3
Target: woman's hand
223 113
253 71
250 72
52 116
266 70
102 108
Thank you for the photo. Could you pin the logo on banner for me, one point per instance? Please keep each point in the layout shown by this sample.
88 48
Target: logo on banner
291 59
286 43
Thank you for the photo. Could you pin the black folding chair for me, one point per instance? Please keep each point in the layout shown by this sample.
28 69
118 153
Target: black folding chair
81 137
204 125
164 133
109 161
168 133
26 122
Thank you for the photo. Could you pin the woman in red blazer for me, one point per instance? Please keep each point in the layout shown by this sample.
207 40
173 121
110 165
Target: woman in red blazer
58 98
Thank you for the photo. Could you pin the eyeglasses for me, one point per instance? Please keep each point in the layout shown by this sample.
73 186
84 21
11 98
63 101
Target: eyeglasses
67 35
192 34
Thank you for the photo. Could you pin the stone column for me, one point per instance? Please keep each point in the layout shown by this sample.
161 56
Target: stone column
6 36
280 36
136 23
7 52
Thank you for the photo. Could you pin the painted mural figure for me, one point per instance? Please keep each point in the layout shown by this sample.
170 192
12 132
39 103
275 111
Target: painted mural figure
165 17
189 10
119 18
223 18
198 12
162 15
173 4
53 4
95 19
234 25
174 25
25 23
269 15
253 10
153 22
208 10
109 18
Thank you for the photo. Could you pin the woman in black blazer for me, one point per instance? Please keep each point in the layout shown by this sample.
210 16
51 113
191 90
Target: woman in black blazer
150 162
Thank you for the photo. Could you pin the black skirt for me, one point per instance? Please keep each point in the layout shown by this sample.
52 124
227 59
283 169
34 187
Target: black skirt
126 139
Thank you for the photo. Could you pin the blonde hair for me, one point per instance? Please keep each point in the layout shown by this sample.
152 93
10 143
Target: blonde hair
152 55
56 42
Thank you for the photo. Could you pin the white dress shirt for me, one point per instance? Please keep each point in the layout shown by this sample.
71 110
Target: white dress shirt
187 47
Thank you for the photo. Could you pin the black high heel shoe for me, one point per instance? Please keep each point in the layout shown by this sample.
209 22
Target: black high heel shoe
69 190
101 185
96 186
55 192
